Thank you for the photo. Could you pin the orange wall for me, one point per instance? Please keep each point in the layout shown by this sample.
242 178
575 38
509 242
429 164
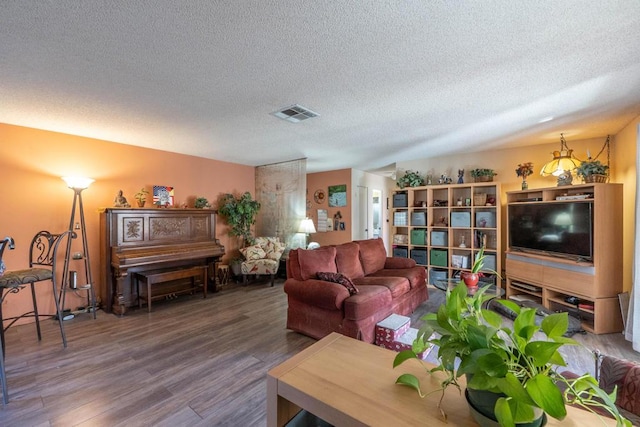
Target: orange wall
322 181
35 198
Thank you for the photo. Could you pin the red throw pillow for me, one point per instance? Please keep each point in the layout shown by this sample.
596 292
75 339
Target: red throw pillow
312 261
340 279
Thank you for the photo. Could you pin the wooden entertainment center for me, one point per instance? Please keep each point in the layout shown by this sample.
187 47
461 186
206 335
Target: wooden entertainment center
552 280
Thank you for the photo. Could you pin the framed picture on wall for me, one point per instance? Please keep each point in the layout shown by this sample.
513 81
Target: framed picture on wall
337 195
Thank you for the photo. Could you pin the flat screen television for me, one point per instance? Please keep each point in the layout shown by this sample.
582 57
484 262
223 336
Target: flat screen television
558 229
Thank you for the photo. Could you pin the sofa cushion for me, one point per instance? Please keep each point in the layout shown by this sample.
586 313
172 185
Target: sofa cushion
372 255
312 261
397 285
348 260
417 276
253 252
369 301
340 279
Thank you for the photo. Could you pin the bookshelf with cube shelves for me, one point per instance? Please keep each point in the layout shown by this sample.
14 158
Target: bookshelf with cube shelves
430 223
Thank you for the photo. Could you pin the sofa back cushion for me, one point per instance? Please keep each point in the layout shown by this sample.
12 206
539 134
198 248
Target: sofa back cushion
348 260
313 261
372 255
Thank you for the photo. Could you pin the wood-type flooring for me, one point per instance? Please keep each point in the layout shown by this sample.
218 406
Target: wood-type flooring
190 362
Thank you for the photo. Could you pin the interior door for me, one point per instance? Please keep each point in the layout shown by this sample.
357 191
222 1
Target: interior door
361 227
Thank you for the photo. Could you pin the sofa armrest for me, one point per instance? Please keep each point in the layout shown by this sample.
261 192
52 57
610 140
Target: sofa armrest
318 293
399 262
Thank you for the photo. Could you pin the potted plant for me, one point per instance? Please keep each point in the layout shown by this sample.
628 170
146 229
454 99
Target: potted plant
201 203
410 179
483 175
593 171
510 364
240 213
471 278
141 197
524 170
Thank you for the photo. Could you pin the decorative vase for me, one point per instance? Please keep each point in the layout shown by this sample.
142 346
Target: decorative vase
141 203
482 404
470 279
525 186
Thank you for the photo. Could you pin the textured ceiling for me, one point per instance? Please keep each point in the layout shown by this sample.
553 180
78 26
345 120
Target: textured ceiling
391 80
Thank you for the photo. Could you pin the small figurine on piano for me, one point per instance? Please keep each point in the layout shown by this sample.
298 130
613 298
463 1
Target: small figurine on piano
120 201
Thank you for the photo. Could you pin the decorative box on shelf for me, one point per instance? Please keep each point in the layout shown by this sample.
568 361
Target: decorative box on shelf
400 218
419 218
486 219
400 200
438 257
419 236
400 252
400 239
461 219
439 238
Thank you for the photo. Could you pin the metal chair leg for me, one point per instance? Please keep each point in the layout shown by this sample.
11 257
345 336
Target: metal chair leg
59 313
35 310
3 374
3 349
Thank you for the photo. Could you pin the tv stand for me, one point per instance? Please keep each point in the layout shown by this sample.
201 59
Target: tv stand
552 280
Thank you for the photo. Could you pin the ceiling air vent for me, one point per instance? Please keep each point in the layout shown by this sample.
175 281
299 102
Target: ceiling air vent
295 113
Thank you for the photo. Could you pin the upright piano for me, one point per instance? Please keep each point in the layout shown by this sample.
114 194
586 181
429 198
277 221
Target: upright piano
138 239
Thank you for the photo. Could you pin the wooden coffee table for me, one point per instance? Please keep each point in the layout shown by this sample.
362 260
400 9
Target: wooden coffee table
351 383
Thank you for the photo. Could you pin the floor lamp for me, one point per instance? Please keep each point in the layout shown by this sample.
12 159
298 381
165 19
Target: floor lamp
77 184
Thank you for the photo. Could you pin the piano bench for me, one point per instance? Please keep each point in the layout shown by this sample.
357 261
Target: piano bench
153 277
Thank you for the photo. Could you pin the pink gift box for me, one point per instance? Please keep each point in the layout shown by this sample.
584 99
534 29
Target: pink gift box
392 328
404 342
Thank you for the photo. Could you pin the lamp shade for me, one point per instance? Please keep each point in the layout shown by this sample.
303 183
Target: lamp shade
306 226
562 161
77 182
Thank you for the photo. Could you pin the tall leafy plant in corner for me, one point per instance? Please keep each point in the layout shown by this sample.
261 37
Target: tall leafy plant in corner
240 213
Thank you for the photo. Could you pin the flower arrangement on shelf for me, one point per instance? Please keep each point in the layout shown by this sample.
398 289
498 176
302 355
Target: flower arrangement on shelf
524 170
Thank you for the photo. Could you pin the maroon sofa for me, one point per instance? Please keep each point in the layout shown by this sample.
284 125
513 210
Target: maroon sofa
385 285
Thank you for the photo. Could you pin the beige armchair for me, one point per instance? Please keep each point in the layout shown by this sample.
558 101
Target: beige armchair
262 258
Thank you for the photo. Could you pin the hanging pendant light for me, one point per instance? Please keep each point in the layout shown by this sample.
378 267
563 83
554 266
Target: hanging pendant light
562 164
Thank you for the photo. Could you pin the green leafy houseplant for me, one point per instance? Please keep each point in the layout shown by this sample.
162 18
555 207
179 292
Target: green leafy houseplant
240 213
591 167
141 196
472 277
510 362
483 174
201 203
410 179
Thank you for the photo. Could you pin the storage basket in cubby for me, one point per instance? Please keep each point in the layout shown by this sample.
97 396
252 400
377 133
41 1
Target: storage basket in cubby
480 199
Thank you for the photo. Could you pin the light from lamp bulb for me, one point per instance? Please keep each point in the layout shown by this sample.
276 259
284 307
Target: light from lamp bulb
77 182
